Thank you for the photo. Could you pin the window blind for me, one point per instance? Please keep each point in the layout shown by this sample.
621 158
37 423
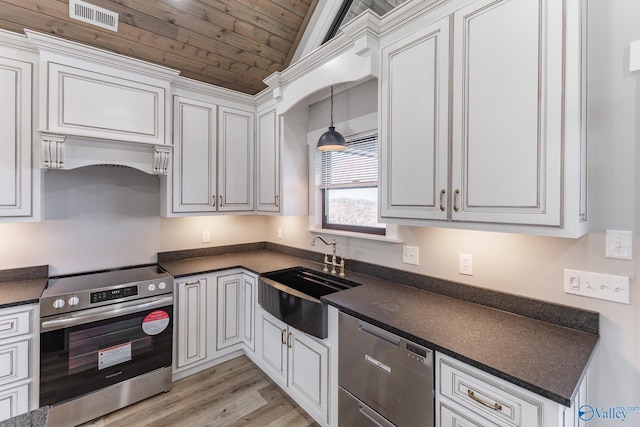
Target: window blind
355 166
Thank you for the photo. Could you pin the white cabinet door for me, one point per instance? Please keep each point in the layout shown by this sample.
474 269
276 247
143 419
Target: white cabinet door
235 166
15 138
195 155
308 370
272 349
191 307
229 320
507 112
268 163
414 125
297 361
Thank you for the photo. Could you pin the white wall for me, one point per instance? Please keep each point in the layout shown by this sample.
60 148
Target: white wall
103 217
533 266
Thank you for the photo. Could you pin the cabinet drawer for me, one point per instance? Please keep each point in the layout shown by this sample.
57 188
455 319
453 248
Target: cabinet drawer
15 323
450 417
14 361
14 401
486 395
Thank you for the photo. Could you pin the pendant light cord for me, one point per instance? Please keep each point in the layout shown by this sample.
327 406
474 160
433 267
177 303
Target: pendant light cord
331 108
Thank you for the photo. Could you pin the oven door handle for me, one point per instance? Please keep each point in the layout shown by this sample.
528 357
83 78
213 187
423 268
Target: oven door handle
106 312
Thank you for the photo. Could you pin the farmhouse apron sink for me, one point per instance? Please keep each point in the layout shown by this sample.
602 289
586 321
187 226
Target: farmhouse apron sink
293 296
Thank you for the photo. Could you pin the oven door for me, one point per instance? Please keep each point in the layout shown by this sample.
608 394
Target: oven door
86 351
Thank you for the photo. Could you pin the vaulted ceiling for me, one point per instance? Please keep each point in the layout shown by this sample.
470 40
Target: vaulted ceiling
229 43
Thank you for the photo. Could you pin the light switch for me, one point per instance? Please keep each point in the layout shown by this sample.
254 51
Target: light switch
618 244
597 285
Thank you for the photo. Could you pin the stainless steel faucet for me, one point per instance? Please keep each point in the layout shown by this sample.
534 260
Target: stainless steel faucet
333 262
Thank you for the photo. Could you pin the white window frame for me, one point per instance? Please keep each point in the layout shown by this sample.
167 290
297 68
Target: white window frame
357 126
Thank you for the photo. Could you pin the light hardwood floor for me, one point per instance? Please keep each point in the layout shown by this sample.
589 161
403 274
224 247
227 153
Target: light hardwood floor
234 393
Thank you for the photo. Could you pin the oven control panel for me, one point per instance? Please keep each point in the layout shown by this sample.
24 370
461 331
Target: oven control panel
74 301
111 294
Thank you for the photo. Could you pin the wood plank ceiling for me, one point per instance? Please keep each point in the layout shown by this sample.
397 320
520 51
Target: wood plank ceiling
229 43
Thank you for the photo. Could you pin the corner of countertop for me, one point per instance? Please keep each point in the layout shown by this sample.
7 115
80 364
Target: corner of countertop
24 273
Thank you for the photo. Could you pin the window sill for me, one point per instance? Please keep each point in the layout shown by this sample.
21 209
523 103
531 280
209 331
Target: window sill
393 238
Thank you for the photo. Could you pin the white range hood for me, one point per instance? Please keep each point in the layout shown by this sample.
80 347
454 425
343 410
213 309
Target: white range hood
97 108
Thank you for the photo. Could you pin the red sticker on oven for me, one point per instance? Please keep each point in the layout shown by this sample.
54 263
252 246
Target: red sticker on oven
155 322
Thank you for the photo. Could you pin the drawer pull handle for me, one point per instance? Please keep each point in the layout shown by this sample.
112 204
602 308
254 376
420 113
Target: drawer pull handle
442 193
455 200
283 337
496 406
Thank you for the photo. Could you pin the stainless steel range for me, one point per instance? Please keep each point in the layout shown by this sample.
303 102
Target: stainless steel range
105 341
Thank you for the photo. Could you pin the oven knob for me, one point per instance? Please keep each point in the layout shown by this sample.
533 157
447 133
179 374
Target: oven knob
59 303
162 285
73 301
151 287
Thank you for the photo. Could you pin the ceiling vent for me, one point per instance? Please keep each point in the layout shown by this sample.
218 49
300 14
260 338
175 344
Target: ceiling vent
85 12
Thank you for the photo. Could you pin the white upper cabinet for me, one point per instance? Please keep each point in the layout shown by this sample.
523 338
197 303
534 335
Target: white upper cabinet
235 166
513 100
213 154
414 127
195 155
20 189
507 112
268 162
15 137
282 162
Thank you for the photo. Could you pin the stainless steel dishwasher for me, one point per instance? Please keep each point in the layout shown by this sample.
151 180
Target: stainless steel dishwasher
384 379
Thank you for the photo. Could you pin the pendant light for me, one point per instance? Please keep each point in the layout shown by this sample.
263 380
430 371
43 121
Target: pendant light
331 140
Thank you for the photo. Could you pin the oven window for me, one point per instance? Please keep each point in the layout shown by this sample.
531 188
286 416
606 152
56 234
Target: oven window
107 345
85 358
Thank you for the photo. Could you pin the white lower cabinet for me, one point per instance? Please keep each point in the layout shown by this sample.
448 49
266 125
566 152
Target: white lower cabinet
214 319
469 397
235 300
296 361
18 360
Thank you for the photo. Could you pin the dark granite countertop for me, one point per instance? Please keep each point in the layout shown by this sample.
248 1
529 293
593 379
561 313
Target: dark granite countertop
22 285
545 357
36 418
541 357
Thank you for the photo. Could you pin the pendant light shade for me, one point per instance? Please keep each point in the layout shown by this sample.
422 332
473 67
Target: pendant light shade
331 140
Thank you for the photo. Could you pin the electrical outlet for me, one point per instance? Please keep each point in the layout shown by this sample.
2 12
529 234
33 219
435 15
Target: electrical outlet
279 232
410 255
206 236
466 264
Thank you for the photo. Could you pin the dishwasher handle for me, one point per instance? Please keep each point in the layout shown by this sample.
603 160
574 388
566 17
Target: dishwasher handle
373 416
380 334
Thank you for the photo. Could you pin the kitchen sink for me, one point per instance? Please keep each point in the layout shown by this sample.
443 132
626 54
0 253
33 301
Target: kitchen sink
293 296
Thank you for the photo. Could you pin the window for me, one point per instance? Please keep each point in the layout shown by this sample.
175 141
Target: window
352 8
349 186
